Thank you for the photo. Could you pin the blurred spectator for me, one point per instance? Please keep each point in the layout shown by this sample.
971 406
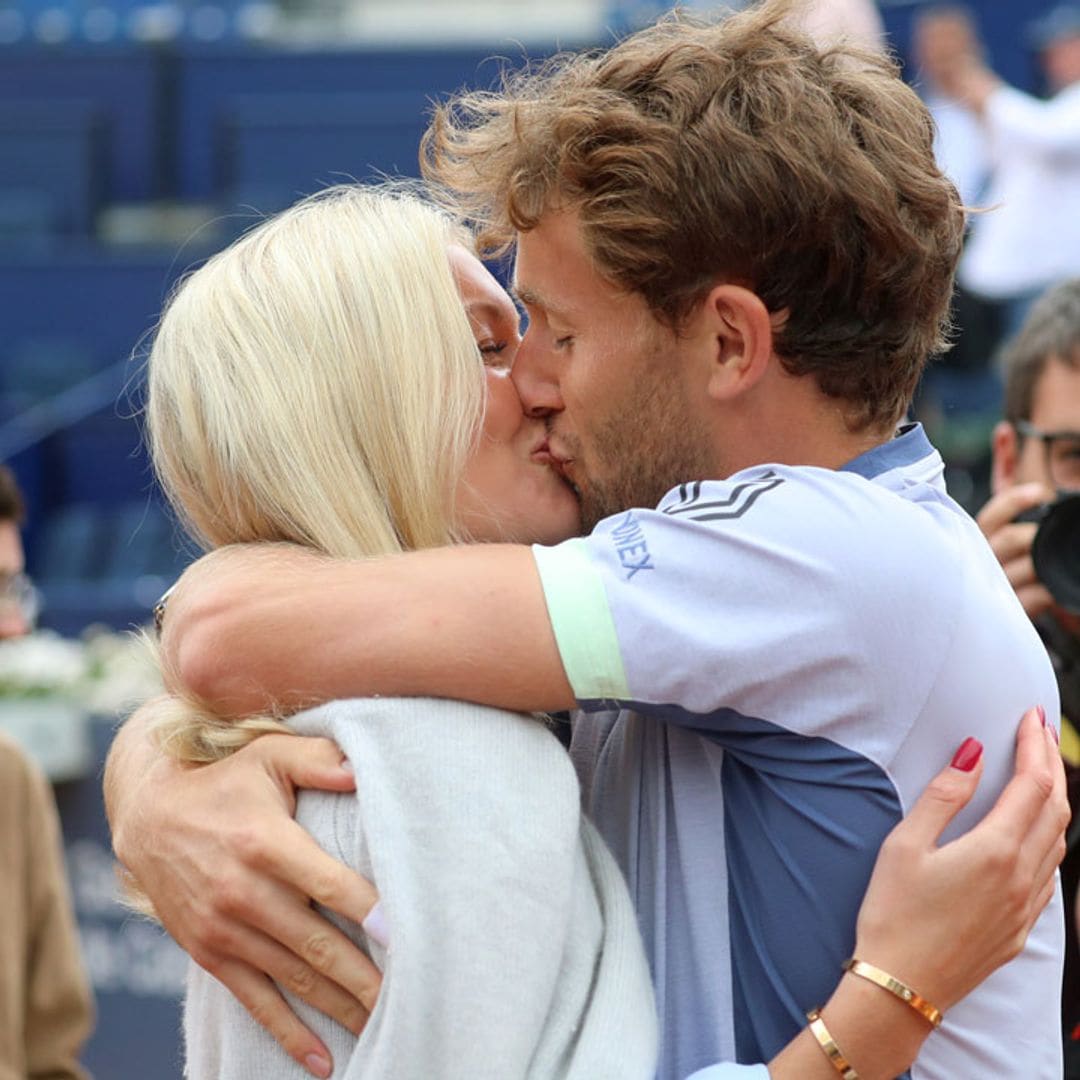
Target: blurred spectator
941 34
46 1011
824 20
17 597
855 20
1032 239
1036 451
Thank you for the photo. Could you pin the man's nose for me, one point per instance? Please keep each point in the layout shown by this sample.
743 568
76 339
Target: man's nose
536 377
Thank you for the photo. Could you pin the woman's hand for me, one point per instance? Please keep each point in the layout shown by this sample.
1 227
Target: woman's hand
942 919
232 876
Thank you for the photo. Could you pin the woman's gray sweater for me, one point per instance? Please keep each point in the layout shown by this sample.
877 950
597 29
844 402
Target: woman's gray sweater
514 950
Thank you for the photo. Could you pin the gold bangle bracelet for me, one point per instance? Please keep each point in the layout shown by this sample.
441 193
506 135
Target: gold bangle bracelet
895 987
828 1045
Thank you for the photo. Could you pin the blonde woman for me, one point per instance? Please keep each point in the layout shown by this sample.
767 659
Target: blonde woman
319 383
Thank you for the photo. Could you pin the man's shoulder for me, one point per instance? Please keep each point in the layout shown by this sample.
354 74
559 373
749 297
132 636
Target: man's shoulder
725 500
803 506
824 520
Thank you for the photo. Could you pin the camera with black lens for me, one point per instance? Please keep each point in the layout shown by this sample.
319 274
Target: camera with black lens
1056 549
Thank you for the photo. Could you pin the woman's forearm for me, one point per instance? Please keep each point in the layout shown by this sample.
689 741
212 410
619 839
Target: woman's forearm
877 1034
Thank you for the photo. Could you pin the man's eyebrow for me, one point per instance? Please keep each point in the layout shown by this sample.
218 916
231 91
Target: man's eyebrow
531 299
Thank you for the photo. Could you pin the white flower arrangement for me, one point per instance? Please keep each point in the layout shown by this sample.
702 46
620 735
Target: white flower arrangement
102 672
50 686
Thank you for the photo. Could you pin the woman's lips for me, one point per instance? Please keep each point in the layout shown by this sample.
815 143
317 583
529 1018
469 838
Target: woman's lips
542 454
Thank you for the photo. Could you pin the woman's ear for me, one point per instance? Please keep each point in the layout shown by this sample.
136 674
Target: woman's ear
740 329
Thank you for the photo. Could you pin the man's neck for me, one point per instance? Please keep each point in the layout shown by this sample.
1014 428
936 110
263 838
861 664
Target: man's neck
799 426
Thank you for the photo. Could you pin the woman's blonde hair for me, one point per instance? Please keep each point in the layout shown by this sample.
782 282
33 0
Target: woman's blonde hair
317 383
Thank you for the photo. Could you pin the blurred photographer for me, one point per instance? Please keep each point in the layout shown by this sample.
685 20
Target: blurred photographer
1036 461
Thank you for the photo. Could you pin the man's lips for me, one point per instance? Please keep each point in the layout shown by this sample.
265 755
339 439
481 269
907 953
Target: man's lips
544 454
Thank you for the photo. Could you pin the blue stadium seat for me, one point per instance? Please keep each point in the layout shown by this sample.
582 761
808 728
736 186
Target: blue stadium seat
50 158
146 542
36 368
101 460
95 564
210 80
27 218
277 147
124 87
100 299
72 545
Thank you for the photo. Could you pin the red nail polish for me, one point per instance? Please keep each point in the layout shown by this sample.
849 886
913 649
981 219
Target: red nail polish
967 757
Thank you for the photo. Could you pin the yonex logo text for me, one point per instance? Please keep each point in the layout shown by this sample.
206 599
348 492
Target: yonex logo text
631 547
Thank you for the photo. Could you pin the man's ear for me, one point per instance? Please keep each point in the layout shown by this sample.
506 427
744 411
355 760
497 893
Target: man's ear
740 330
1006 450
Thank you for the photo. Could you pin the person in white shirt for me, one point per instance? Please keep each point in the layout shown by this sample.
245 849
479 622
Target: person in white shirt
826 21
1030 237
939 34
